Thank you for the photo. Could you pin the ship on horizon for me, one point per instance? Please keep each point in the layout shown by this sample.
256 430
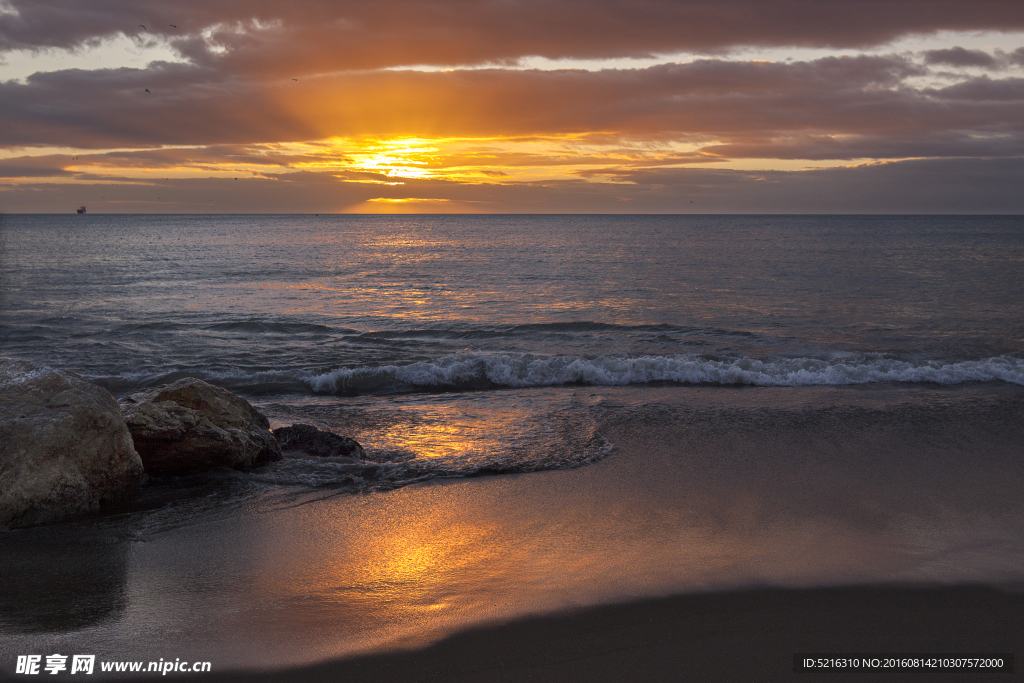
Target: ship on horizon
81 209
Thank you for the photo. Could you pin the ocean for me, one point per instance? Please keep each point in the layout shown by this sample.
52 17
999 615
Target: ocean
567 411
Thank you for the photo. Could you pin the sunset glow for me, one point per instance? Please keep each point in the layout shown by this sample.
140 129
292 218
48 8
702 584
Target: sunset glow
511 340
276 109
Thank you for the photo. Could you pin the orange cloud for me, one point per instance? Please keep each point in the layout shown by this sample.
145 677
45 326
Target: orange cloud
290 96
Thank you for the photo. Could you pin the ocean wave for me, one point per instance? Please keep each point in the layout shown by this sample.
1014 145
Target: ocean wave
389 470
481 371
272 327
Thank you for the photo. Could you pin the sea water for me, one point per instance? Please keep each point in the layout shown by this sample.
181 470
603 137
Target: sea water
566 410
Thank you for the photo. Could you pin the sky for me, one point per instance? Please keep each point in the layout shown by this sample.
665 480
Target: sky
512 106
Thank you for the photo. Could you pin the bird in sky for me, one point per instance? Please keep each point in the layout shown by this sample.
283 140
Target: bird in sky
172 25
295 79
143 27
147 90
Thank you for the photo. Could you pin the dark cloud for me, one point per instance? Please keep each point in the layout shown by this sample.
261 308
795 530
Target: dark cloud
929 186
852 107
268 36
958 56
22 170
983 89
111 108
945 145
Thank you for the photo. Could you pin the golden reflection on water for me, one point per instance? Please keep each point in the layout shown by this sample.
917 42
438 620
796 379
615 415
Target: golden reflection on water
413 570
406 560
660 515
435 440
428 559
447 431
382 578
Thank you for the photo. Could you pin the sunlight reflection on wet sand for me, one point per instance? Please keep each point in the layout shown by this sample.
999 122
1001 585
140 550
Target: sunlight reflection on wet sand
687 504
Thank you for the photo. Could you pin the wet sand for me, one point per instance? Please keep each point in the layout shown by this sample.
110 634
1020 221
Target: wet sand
748 635
709 495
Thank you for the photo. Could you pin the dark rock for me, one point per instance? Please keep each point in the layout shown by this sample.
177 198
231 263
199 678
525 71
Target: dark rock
64 446
309 439
191 426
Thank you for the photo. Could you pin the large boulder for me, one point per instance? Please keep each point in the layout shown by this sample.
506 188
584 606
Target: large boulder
308 439
64 446
191 426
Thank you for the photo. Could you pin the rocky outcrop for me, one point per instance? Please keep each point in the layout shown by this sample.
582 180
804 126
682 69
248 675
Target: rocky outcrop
191 426
308 439
64 446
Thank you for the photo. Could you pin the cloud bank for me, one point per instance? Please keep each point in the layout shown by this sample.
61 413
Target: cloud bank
323 106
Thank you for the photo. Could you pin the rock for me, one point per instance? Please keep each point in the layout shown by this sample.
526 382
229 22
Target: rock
309 439
191 426
64 446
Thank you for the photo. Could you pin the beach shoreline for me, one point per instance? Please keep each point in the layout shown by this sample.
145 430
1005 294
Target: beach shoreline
708 495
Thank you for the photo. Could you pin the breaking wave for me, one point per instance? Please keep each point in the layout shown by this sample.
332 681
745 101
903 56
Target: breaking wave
481 371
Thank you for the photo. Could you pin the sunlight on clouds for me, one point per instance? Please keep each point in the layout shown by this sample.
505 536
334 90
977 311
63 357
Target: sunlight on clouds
489 160
133 50
121 51
210 34
402 158
404 200
1005 41
397 158
591 158
418 205
790 164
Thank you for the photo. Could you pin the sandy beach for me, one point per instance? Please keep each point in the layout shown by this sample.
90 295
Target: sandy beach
563 575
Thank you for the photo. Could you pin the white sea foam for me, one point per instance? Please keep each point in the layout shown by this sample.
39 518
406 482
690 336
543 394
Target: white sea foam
522 370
